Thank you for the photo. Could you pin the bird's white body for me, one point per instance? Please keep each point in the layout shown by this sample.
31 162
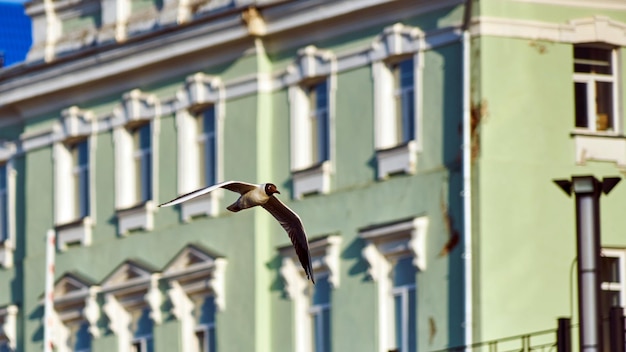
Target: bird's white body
255 197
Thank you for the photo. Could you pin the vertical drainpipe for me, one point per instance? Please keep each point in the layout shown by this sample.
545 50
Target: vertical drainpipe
467 180
49 292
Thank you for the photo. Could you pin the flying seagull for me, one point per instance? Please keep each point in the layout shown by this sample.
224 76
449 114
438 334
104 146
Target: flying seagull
263 195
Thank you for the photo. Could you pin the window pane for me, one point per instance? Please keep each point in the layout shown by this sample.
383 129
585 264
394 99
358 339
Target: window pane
318 107
609 269
398 315
210 147
4 347
404 272
206 313
326 329
592 60
580 89
143 163
144 324
80 161
321 293
212 340
82 338
609 299
604 106
201 339
403 73
412 320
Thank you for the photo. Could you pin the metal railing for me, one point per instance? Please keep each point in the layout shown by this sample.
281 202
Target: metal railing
543 341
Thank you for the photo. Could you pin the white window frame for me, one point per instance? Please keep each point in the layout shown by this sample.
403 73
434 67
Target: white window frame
397 42
384 245
200 91
325 261
312 65
7 247
125 296
137 108
403 291
620 286
71 229
589 79
188 282
72 307
8 325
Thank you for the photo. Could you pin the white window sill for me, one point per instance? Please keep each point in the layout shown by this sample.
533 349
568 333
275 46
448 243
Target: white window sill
75 232
138 217
315 179
599 146
6 254
398 159
202 206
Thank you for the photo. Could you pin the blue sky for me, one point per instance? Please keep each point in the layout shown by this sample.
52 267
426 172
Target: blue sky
13 1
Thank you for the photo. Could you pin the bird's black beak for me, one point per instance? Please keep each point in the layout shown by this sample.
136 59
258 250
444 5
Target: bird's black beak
277 192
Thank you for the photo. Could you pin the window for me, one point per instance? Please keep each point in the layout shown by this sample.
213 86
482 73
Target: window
133 305
405 304
80 178
142 339
396 71
612 285
72 192
320 315
73 316
318 120
135 137
404 99
396 253
196 280
199 123
205 327
207 147
312 304
595 88
142 155
311 81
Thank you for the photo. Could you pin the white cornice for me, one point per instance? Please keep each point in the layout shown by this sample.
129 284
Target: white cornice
592 4
589 29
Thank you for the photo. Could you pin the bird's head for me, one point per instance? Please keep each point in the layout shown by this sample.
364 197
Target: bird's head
270 189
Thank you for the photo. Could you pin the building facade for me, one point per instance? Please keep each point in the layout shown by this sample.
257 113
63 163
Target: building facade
357 111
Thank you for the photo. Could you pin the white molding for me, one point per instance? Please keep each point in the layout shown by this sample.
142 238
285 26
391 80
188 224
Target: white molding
583 30
92 311
312 180
594 4
384 244
402 158
76 232
202 273
130 288
135 218
599 147
8 316
397 239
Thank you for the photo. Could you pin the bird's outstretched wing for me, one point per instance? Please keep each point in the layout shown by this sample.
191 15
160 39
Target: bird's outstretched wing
235 186
291 222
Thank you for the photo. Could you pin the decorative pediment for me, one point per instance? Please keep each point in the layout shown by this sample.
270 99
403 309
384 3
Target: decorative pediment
389 241
398 39
129 273
76 122
324 257
197 271
311 62
72 285
201 89
190 258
